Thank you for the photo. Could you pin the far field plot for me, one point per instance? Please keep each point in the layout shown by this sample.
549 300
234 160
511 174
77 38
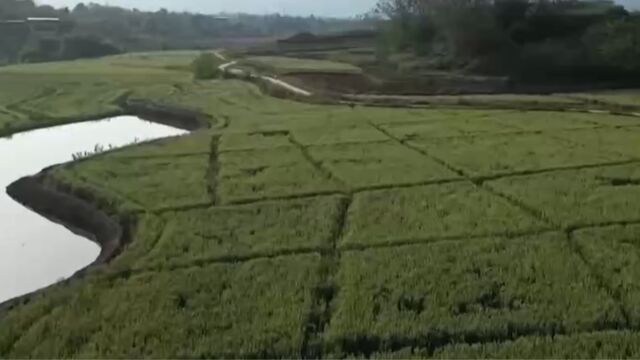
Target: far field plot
352 133
551 121
579 197
268 173
432 212
504 154
379 164
254 140
448 126
625 142
285 65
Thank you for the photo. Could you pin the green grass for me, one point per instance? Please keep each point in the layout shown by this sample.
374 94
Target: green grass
504 154
254 141
288 65
245 231
340 134
448 125
269 173
252 309
144 183
617 97
379 164
145 232
196 143
614 252
598 345
167 60
431 212
21 317
625 142
550 121
480 290
579 197
56 93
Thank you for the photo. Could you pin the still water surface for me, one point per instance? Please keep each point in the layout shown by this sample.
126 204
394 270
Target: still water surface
35 252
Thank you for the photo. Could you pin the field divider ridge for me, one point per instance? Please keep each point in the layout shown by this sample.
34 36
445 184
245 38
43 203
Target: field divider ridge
485 178
602 283
538 215
365 347
213 168
394 243
281 147
321 310
315 163
214 260
162 156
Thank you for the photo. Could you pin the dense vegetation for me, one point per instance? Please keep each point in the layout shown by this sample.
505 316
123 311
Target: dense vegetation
91 30
292 229
534 39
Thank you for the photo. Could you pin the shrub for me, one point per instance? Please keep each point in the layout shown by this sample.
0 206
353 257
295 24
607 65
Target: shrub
205 67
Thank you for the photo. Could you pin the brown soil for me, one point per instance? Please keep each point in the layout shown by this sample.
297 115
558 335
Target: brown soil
332 83
426 84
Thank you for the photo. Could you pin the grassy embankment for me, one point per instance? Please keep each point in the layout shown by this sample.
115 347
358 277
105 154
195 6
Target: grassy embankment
299 230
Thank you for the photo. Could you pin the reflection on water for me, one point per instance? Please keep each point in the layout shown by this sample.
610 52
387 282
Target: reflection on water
35 252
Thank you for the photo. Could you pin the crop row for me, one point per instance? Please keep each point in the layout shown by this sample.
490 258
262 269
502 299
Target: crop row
446 299
472 292
566 198
144 184
252 309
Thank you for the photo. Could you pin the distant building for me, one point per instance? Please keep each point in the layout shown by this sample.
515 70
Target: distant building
37 26
223 19
43 26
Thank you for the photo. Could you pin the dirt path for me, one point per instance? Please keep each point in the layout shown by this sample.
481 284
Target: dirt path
227 68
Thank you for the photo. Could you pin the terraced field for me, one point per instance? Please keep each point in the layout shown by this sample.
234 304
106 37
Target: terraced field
285 65
296 230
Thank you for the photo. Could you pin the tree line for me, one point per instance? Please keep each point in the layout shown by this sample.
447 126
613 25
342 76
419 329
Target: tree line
94 30
532 39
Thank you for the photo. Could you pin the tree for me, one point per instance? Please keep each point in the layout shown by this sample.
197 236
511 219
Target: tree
81 46
205 67
616 43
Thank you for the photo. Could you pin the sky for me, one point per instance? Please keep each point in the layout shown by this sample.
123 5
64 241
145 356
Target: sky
333 8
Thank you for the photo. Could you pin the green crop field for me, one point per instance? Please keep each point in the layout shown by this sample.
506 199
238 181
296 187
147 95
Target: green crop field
285 65
291 229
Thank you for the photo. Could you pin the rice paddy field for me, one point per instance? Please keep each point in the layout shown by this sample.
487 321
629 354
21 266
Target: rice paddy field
285 65
295 230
